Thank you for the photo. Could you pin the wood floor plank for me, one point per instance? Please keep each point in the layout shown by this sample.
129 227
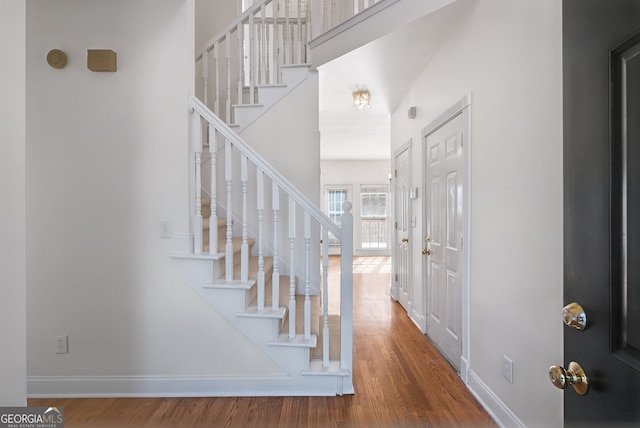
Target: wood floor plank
400 380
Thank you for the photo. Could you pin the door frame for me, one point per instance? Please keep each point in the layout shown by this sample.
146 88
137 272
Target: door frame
462 107
394 292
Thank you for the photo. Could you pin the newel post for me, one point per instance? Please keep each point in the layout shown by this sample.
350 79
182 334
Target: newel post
346 287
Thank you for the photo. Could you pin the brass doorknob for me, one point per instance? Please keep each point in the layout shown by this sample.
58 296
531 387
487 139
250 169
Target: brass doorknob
426 251
574 316
574 376
405 239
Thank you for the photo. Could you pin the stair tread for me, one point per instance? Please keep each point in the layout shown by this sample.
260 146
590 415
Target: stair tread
297 341
222 222
317 369
273 85
235 242
248 105
234 284
253 267
267 312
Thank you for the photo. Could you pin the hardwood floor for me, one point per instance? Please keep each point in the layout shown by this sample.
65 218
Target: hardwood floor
399 378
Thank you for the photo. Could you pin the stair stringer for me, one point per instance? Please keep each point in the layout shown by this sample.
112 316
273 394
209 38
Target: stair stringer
299 376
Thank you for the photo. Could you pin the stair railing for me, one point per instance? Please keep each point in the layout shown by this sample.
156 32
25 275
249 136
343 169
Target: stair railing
251 52
299 230
335 12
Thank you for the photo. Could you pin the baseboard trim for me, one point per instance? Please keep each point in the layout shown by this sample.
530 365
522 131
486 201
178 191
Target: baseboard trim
169 386
419 320
491 403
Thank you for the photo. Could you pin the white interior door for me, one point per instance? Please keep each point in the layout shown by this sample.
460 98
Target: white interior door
402 219
444 183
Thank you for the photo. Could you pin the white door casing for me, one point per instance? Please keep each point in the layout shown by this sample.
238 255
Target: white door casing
445 225
402 218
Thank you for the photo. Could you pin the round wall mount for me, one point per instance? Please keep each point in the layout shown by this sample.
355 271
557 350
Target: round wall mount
56 58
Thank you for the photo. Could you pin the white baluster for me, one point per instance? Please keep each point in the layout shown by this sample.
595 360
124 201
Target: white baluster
277 58
275 278
307 275
264 43
287 34
197 148
309 23
267 59
240 31
205 76
228 250
361 7
260 207
334 18
216 66
346 287
213 220
244 249
299 33
228 53
292 270
325 298
276 47
325 16
252 65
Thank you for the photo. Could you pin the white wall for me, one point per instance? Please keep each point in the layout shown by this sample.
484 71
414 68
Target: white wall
13 360
295 153
356 173
106 162
213 17
507 54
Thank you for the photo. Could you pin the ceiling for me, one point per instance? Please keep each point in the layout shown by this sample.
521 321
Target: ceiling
386 67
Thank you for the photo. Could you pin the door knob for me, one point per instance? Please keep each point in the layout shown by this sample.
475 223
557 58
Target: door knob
405 239
574 316
574 376
426 251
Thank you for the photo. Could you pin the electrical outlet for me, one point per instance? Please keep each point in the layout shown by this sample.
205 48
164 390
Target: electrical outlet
507 368
165 229
62 344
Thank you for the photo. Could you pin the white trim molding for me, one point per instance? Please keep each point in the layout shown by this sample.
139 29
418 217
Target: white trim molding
491 403
180 386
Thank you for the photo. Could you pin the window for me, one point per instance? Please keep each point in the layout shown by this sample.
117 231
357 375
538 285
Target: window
373 216
335 197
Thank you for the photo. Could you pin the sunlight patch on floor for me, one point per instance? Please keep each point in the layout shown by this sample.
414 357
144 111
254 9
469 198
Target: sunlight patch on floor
372 264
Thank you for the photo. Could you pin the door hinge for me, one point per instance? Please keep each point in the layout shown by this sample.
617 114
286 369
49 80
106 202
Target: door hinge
395 173
396 277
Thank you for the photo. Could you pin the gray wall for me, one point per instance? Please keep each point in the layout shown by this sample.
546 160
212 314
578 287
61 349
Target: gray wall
106 162
507 55
13 360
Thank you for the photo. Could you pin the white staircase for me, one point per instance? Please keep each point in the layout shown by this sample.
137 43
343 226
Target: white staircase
260 248
267 273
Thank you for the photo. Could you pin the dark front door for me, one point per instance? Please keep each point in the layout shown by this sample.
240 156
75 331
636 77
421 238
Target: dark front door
601 81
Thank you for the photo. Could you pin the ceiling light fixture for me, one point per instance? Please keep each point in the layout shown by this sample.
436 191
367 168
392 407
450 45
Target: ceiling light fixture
362 100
